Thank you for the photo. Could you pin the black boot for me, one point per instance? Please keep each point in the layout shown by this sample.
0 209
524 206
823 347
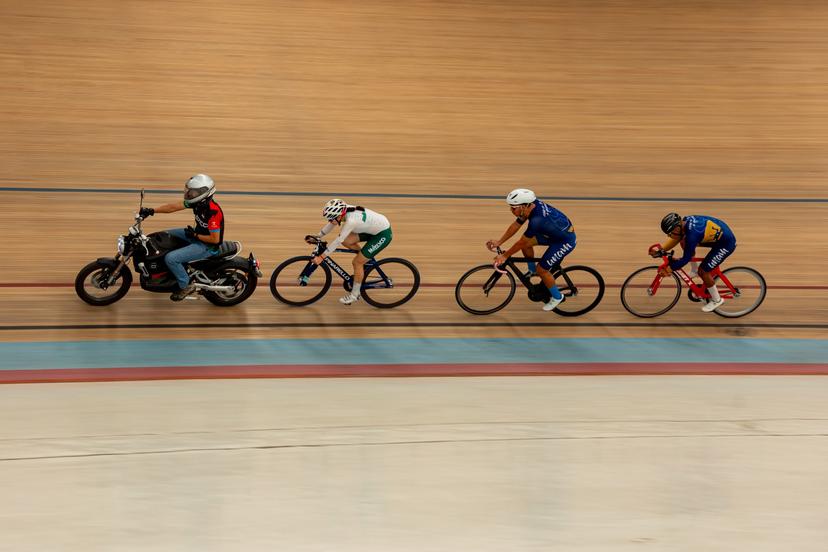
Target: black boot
182 293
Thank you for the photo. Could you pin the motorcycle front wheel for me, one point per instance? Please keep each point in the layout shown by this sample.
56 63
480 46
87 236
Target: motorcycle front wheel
92 284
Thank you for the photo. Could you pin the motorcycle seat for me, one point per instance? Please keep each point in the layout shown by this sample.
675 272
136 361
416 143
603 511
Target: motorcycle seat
228 249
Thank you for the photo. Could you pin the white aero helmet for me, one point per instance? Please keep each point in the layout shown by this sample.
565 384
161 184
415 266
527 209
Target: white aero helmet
520 196
198 188
333 209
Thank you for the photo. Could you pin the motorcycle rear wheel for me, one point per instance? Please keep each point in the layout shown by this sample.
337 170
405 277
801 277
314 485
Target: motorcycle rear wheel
239 276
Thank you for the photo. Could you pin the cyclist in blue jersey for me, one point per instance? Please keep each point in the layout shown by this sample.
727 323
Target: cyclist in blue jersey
691 232
547 226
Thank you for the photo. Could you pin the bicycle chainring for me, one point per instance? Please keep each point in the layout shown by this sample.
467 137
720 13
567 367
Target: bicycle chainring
539 293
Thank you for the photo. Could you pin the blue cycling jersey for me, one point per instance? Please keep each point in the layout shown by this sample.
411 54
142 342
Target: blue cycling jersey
548 224
700 230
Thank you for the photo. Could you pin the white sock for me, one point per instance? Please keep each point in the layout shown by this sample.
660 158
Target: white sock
694 268
357 289
714 294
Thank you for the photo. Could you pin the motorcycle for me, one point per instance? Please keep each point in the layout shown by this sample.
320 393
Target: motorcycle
225 279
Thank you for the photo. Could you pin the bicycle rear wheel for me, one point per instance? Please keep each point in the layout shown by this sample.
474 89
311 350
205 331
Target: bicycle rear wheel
483 290
641 297
285 284
390 283
582 288
750 292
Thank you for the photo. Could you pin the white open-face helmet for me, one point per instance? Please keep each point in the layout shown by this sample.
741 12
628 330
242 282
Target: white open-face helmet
198 188
333 209
520 196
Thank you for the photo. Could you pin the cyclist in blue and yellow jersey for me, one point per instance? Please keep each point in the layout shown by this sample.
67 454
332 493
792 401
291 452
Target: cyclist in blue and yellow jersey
693 231
547 226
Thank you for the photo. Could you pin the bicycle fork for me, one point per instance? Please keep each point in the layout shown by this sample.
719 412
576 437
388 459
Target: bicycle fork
490 283
304 276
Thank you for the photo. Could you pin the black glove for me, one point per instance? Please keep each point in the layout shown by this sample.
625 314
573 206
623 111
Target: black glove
190 233
146 212
311 239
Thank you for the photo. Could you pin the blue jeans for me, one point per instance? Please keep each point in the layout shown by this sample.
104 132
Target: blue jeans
177 258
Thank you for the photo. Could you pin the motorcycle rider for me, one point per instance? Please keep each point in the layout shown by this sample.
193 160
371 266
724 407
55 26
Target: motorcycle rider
204 238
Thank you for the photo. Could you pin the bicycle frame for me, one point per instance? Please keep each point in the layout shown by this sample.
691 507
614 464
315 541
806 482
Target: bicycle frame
383 282
568 290
699 290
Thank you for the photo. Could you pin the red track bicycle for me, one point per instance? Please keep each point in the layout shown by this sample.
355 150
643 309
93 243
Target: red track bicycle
646 294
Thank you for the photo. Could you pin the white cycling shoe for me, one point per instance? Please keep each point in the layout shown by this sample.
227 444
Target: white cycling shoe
552 304
349 299
713 305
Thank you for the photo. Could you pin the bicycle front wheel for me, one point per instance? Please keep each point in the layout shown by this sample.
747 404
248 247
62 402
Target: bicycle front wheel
582 288
390 283
291 284
483 290
646 295
750 290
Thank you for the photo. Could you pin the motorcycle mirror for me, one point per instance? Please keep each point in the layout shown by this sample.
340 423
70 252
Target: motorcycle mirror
140 206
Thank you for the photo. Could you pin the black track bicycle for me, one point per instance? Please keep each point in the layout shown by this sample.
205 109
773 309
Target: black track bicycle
486 289
388 282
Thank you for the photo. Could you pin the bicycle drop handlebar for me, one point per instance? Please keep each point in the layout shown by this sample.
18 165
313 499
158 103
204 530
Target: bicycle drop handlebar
321 244
499 251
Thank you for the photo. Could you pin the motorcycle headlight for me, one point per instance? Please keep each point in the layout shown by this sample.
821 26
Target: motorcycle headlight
121 245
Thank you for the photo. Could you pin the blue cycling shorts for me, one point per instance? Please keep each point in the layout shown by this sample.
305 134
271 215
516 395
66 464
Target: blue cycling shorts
556 251
717 255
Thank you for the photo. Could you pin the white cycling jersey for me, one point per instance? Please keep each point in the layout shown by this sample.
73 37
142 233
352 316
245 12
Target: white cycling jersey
358 222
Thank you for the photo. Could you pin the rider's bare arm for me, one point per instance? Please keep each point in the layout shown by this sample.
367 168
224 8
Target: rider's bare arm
175 206
511 231
170 207
656 248
213 238
520 244
670 244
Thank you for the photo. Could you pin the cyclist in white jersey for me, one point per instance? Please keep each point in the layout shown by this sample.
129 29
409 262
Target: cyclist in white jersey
358 225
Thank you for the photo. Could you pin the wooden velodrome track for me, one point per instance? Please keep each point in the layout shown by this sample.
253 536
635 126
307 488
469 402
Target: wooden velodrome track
430 112
427 112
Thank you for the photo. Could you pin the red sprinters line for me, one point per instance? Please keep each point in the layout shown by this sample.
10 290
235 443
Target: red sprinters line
406 370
